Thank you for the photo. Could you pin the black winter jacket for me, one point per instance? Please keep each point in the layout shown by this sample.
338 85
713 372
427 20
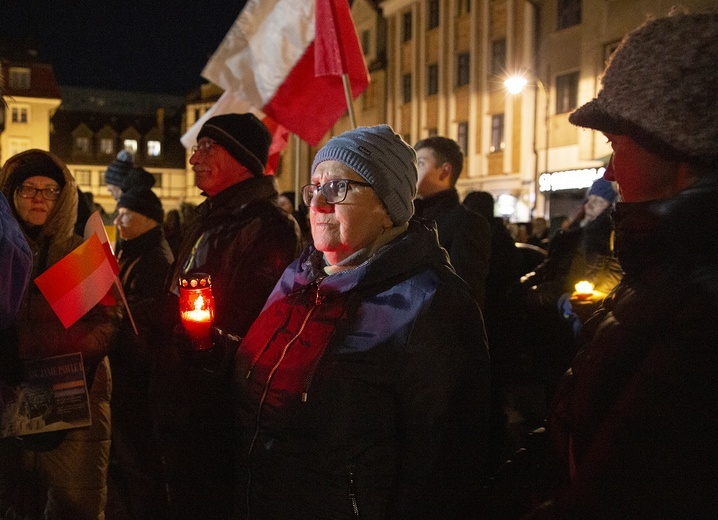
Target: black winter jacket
464 234
364 394
636 420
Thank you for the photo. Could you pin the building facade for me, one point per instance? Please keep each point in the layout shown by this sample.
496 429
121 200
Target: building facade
438 67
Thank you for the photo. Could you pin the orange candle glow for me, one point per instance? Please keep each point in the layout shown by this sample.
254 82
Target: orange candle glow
197 309
584 289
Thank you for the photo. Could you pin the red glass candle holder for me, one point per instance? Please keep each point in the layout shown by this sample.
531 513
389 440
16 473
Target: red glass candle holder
196 306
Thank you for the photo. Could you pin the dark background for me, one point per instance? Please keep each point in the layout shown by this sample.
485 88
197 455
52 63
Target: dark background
147 46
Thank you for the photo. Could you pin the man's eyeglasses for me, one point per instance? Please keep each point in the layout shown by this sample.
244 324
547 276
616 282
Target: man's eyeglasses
29 192
204 147
334 191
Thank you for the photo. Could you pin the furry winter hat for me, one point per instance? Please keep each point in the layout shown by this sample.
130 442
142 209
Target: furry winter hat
382 158
660 88
244 136
119 168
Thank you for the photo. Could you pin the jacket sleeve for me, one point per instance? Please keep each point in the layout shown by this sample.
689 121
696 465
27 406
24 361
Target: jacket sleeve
444 403
15 264
251 267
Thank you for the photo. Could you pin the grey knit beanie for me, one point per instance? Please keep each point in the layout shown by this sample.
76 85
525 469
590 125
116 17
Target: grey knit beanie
660 88
119 168
383 159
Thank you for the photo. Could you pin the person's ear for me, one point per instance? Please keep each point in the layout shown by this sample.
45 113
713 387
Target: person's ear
445 171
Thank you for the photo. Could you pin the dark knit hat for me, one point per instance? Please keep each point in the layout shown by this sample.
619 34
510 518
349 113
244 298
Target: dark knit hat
119 168
382 158
37 163
660 88
144 201
138 177
244 136
604 189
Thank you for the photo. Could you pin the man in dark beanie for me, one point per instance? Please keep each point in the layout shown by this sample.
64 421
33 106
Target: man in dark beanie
145 263
243 240
635 421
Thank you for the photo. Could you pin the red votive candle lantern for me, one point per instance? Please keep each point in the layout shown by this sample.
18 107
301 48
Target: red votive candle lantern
196 306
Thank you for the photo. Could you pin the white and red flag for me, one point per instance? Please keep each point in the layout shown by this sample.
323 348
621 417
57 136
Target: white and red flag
79 281
288 59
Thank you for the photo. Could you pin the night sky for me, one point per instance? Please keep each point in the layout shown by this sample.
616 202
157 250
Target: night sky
149 45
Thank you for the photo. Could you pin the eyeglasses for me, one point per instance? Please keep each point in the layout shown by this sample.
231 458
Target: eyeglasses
29 192
204 147
334 191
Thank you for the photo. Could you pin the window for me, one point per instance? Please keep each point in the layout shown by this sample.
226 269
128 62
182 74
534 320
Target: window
107 146
19 115
154 148
463 7
406 87
18 145
365 41
130 145
432 79
432 17
497 133
566 92
569 13
19 78
82 145
498 57
462 69
406 27
462 136
83 177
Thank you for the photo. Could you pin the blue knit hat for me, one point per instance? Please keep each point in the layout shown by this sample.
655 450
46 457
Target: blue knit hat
604 189
384 160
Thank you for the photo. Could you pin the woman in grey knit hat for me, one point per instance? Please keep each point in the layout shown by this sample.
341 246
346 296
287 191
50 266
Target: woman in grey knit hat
363 384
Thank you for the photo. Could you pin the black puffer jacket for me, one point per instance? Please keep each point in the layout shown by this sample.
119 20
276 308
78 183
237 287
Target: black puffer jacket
244 241
636 421
365 392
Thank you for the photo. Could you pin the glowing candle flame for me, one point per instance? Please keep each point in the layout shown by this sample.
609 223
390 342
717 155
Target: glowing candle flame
584 287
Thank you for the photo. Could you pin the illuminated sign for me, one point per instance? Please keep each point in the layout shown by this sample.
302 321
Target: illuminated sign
569 179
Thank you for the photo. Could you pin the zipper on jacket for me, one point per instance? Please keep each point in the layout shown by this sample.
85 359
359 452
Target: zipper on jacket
317 301
353 494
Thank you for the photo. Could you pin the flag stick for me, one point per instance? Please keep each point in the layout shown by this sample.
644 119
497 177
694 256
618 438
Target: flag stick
350 102
118 285
297 195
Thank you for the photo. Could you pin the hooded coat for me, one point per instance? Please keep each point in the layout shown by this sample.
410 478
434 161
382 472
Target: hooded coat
364 394
635 421
68 481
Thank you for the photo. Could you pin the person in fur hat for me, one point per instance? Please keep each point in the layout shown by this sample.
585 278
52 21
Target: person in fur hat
55 474
635 421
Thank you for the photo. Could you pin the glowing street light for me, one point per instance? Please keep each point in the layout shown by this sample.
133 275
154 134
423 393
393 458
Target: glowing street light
515 85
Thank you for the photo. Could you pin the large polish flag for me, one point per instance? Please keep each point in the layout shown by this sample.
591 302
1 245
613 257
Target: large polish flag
79 281
286 58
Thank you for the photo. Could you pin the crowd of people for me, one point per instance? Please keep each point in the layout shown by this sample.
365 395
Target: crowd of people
379 351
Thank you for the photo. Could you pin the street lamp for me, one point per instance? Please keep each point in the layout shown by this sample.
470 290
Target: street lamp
515 85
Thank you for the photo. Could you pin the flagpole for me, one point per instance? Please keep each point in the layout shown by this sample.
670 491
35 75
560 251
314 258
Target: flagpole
350 102
297 195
